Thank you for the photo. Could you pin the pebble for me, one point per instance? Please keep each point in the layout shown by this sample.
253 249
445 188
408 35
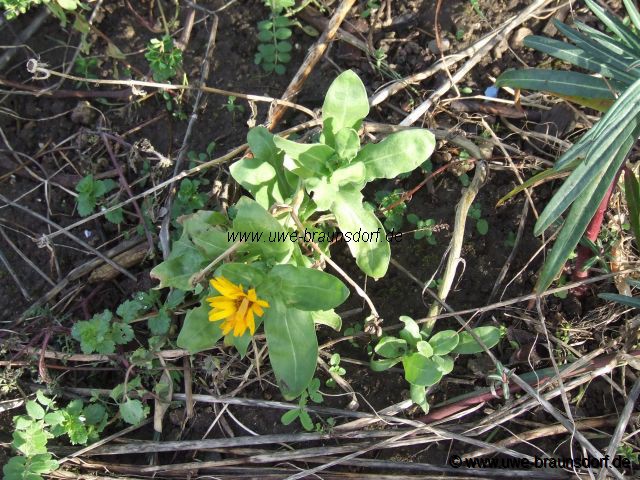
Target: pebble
517 39
445 44
82 113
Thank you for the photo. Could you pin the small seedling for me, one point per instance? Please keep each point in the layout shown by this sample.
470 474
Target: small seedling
274 50
372 6
301 412
426 358
424 228
232 107
85 67
188 199
164 58
510 241
91 193
394 217
334 367
195 158
482 225
101 334
44 421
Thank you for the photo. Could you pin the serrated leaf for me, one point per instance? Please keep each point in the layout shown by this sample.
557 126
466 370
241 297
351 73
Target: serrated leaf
34 410
159 325
132 411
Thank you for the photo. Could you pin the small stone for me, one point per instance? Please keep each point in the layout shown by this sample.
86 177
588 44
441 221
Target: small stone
82 113
129 32
445 44
517 39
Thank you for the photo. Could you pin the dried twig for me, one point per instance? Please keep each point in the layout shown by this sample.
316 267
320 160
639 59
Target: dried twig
313 56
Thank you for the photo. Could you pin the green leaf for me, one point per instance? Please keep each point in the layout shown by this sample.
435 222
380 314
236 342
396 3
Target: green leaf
198 333
293 347
391 347
159 325
419 397
580 88
86 204
424 348
309 159
305 288
252 218
353 174
411 331
243 274
183 261
371 256
206 234
43 399
632 195
54 418
347 143
345 105
622 299
444 363
94 413
129 310
384 364
68 4
289 417
115 216
121 333
132 411
329 318
467 345
422 371
581 214
42 464
34 410
399 153
482 226
444 342
305 420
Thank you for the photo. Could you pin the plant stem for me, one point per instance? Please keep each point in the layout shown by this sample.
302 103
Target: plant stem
592 232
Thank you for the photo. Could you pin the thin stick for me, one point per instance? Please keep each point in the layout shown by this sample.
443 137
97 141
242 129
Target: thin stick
457 239
473 61
42 72
625 416
337 268
204 76
80 242
25 258
314 55
15 277
125 185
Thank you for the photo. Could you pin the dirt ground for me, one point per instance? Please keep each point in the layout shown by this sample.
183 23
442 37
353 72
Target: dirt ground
58 147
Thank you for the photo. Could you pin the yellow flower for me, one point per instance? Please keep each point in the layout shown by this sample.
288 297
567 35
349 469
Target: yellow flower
235 307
